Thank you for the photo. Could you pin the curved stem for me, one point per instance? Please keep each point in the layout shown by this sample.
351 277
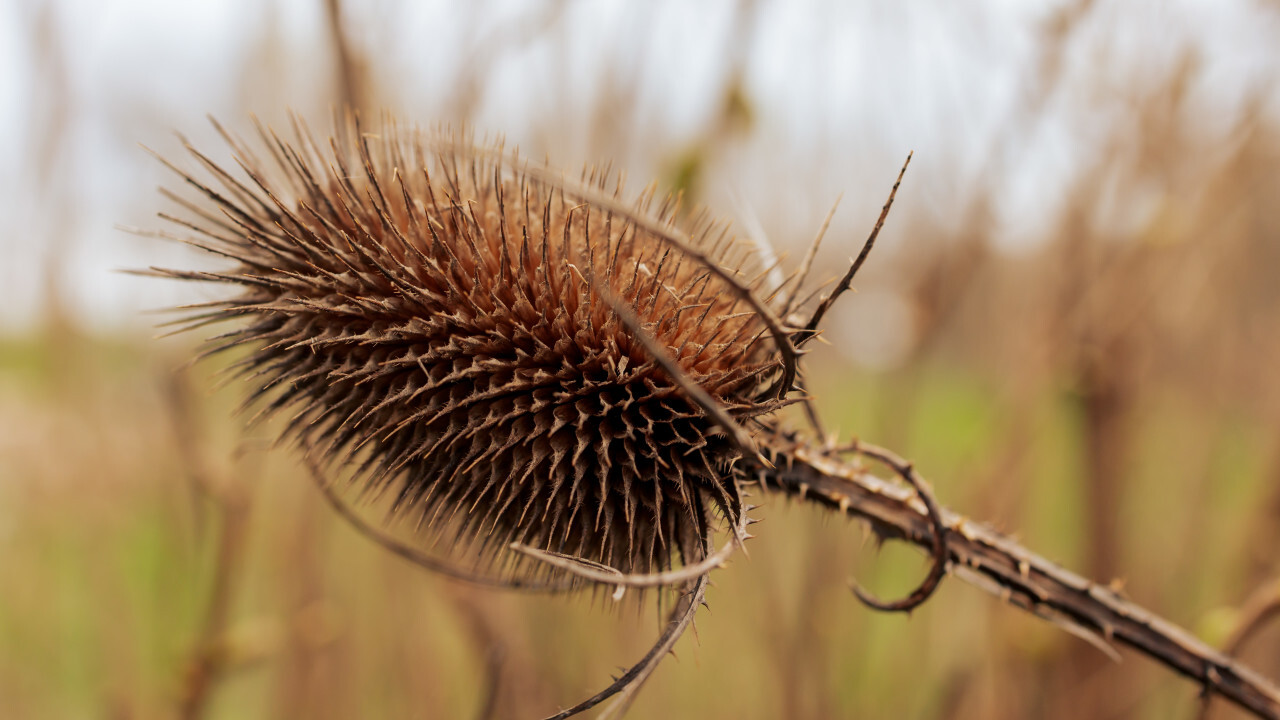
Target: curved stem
938 547
1261 607
417 556
606 575
1021 578
630 681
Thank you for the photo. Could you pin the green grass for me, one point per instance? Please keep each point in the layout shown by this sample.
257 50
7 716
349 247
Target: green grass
106 557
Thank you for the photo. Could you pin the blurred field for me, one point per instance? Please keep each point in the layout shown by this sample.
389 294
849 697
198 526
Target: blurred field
1093 369
109 558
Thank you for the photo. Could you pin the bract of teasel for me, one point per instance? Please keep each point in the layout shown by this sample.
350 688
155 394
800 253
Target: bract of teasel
542 358
429 315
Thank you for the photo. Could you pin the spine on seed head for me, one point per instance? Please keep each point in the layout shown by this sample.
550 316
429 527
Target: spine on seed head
427 315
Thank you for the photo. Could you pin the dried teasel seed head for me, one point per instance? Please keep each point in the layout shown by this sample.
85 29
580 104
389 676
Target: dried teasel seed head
429 315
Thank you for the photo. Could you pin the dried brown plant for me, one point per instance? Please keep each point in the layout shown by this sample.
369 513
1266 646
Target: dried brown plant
561 388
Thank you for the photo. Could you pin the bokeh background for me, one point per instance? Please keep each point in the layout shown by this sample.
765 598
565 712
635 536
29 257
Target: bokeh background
1071 324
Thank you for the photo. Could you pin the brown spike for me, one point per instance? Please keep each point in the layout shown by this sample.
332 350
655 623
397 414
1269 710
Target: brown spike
487 387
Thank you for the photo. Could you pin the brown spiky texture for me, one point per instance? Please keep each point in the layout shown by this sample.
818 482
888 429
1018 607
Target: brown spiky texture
431 317
534 370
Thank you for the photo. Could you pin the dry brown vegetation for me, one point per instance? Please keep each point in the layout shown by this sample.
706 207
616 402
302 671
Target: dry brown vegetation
1108 394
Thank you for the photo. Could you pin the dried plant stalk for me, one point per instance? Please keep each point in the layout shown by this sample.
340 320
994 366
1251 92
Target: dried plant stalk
1000 565
563 389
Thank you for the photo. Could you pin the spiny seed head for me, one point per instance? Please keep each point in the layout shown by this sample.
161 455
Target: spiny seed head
429 315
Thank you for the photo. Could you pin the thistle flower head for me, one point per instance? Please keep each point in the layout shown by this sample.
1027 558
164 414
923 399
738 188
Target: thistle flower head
442 321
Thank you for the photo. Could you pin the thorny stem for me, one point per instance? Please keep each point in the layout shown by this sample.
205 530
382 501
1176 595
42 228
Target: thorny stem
628 684
938 533
1261 607
811 328
993 562
1019 577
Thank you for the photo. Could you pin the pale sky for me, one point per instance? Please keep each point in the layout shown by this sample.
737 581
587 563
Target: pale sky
841 91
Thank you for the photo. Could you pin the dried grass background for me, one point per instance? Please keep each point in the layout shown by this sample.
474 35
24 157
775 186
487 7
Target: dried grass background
1076 344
